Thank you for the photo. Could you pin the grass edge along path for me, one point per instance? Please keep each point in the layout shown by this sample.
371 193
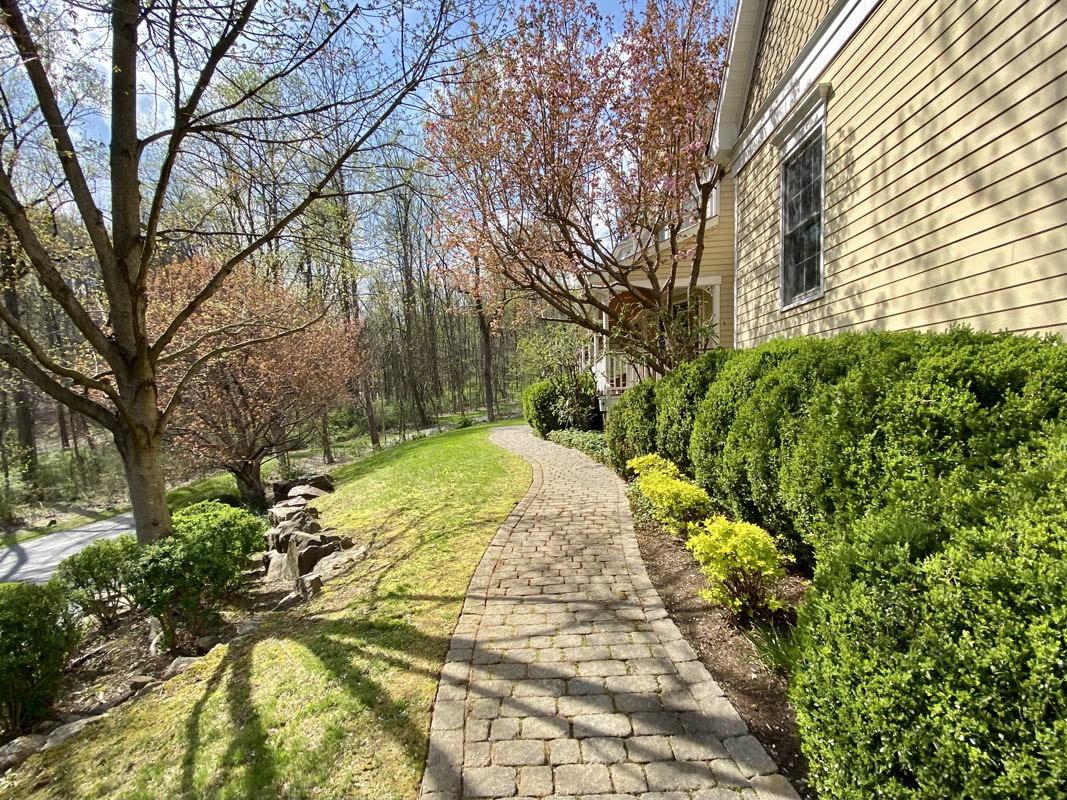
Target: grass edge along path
332 699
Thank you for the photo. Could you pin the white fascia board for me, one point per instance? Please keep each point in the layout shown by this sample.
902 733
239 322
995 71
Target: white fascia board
829 38
740 59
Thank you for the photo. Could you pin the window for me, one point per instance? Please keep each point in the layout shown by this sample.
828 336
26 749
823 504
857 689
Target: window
802 222
801 140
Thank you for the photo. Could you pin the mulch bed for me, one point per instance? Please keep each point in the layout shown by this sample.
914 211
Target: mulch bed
758 694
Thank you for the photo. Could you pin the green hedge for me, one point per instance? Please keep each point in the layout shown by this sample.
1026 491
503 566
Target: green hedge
931 655
561 403
38 632
630 428
921 475
677 396
592 443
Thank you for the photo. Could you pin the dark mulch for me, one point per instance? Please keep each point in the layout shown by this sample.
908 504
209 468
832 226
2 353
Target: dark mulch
758 694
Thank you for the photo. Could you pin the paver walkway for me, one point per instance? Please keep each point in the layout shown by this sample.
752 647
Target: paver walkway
565 676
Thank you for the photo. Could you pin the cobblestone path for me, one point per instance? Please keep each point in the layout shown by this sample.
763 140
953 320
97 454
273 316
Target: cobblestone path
566 678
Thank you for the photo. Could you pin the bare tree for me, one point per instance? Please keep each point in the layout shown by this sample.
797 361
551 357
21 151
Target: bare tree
229 77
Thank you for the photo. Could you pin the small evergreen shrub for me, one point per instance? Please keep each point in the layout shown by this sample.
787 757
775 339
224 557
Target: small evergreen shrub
95 578
38 633
592 443
539 407
560 403
675 501
631 425
678 395
464 422
741 564
239 530
931 652
652 462
182 579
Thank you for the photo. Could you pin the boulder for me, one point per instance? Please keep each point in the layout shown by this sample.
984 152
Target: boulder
306 491
337 562
179 665
293 502
204 643
282 489
64 732
18 750
138 682
301 560
280 514
155 636
276 570
309 585
289 601
248 626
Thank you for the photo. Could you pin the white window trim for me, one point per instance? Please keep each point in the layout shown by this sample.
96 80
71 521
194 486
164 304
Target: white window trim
807 120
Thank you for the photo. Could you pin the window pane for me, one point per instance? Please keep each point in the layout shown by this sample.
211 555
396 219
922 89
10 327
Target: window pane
802 221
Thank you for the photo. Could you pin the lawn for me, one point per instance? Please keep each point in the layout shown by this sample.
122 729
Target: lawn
330 700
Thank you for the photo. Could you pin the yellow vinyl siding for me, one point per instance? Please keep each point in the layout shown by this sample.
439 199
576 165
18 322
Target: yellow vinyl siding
717 259
945 178
787 24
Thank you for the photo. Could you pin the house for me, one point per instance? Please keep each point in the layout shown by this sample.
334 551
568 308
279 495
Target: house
712 297
897 165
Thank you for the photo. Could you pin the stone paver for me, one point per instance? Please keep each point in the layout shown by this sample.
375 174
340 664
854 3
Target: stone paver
566 677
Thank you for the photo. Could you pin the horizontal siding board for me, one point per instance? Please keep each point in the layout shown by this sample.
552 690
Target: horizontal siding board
946 177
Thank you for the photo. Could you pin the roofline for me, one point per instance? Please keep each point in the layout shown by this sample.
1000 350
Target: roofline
740 59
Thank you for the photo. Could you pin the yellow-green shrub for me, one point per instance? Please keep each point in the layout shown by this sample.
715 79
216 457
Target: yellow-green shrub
740 562
675 501
652 463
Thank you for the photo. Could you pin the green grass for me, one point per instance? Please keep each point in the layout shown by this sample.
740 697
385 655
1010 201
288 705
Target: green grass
330 700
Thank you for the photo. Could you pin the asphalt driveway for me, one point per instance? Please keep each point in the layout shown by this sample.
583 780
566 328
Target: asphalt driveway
36 560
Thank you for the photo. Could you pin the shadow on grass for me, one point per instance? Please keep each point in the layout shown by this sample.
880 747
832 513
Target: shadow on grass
336 644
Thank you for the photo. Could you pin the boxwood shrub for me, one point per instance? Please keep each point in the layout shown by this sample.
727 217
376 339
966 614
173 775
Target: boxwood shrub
715 414
630 428
931 654
95 578
182 579
38 632
677 396
592 443
560 403
891 431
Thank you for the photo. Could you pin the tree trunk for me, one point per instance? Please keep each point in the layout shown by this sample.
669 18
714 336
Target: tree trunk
249 478
324 432
487 358
148 488
26 431
368 411
64 435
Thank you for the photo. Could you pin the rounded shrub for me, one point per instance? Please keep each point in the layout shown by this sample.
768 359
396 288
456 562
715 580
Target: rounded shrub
95 578
741 564
764 426
539 407
561 403
891 431
630 428
38 632
677 396
931 655
591 443
672 500
181 579
240 531
715 414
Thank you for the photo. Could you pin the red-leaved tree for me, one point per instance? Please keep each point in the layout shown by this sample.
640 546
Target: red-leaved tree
576 169
246 405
